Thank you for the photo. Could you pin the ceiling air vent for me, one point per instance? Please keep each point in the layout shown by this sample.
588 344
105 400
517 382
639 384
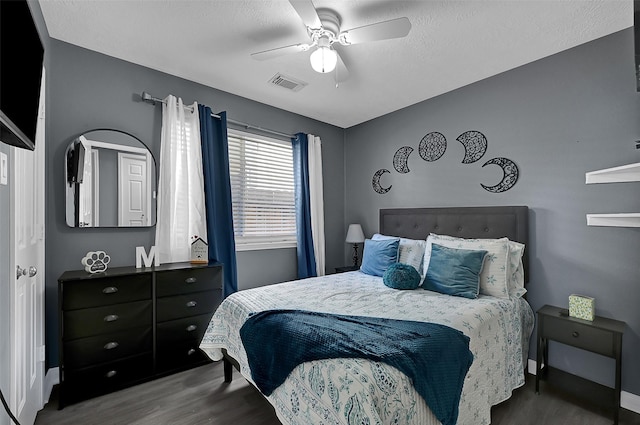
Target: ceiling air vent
287 82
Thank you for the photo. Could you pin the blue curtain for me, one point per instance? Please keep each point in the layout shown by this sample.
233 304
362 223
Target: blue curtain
306 255
217 193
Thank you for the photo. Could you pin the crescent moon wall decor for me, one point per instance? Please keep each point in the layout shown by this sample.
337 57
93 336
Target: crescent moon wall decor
510 170
475 146
432 146
375 182
400 159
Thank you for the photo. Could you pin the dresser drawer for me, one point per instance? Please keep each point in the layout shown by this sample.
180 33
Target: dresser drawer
108 319
84 352
177 282
181 356
85 383
190 329
179 306
579 335
104 291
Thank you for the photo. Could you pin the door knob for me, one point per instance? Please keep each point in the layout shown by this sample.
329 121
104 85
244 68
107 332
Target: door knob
31 271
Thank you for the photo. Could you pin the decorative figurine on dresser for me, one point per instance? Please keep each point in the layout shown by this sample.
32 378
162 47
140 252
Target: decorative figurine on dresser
127 325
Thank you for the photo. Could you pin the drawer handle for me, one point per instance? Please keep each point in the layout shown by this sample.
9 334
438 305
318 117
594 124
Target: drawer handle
110 290
191 328
111 345
192 304
111 374
111 318
191 280
191 352
575 334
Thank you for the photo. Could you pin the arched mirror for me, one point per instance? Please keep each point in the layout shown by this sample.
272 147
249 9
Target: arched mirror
110 179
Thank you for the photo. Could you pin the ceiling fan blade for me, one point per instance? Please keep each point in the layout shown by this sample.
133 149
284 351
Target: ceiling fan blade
279 51
341 72
307 12
395 28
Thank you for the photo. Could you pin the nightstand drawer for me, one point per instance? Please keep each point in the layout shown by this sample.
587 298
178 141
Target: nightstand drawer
85 352
105 291
579 335
176 282
179 306
101 320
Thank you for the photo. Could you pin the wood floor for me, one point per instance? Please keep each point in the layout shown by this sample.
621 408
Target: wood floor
199 396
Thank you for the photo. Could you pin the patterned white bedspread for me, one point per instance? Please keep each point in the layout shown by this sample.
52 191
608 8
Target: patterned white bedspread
357 391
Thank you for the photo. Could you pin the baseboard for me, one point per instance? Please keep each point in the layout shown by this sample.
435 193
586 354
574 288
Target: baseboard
628 401
52 377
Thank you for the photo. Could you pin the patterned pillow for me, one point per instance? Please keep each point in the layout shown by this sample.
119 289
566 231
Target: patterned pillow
401 276
411 251
379 255
494 279
454 271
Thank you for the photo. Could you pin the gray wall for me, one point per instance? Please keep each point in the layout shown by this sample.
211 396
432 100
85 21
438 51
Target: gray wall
557 118
88 90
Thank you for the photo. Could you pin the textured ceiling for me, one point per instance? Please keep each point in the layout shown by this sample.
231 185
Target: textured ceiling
451 44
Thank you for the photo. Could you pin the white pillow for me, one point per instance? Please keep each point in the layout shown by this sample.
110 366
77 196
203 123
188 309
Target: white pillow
516 279
411 251
495 275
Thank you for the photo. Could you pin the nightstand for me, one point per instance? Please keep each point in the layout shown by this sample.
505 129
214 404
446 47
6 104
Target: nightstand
347 269
602 336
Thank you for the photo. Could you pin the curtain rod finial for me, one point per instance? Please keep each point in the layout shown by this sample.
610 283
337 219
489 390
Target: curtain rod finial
147 97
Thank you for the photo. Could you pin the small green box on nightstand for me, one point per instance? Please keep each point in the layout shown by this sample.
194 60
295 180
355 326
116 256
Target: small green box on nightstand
582 307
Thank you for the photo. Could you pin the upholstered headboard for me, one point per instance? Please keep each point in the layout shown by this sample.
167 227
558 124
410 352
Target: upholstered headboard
464 222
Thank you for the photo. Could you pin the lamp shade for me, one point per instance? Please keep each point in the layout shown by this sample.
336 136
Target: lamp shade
355 234
323 59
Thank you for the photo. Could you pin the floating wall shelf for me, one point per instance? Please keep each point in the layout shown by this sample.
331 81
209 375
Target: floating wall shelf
614 220
622 174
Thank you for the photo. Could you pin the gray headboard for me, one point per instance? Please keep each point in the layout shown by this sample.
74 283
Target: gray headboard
464 222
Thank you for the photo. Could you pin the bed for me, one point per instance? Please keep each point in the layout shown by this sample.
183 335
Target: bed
356 390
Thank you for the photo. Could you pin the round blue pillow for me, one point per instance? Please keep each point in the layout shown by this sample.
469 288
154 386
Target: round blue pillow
401 276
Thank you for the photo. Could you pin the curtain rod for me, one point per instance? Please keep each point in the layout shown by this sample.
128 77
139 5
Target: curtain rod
146 97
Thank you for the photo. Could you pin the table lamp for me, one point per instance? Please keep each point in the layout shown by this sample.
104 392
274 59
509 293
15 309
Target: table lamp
355 236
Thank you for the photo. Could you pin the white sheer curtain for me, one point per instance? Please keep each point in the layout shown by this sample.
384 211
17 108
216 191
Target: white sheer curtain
181 208
316 200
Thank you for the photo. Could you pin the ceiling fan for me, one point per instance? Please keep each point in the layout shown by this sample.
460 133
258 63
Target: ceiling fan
323 27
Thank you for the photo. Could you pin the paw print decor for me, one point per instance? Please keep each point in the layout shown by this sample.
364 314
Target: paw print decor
96 261
433 146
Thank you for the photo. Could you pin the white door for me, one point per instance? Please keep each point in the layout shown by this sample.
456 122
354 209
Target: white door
27 276
133 190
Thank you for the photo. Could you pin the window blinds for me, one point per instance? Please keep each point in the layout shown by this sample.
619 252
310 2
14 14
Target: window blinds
262 190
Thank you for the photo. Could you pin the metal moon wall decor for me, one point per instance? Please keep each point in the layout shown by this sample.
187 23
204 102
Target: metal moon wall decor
400 159
433 146
510 170
475 146
376 182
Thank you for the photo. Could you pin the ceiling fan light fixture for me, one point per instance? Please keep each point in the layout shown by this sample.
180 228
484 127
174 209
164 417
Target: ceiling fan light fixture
323 59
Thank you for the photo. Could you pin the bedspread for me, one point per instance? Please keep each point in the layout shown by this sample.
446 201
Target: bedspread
347 391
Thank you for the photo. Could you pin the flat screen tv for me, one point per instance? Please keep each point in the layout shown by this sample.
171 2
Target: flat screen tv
21 60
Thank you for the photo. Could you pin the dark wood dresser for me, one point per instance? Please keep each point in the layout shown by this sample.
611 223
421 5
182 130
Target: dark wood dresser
127 325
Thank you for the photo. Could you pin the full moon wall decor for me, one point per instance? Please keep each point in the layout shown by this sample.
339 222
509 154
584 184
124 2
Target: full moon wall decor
433 146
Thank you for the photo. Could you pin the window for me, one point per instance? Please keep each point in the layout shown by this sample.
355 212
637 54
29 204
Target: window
262 191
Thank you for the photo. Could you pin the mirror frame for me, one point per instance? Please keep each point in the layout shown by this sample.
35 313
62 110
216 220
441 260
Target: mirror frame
74 156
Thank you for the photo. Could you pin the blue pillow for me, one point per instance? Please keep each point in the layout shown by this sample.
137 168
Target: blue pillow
378 255
401 276
454 271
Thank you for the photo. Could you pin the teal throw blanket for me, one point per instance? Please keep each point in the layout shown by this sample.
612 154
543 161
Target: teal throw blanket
435 357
